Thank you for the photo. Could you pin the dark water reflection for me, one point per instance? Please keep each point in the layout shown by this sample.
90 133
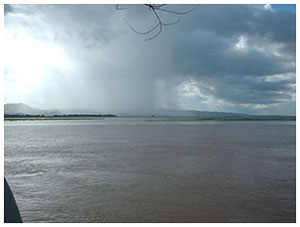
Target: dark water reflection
135 170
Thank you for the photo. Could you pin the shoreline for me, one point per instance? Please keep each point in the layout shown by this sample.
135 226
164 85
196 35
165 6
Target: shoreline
78 118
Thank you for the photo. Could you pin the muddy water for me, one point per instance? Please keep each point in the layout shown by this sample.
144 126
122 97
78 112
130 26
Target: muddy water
136 170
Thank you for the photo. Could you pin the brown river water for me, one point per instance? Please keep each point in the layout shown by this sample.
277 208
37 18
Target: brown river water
143 170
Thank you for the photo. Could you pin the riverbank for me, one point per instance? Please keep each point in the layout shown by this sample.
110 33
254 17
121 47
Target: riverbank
149 119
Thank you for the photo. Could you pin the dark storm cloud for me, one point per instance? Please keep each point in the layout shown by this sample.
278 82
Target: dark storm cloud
7 9
240 54
234 20
208 50
214 29
254 90
206 54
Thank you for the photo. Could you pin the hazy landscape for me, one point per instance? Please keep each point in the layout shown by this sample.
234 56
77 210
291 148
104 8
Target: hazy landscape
150 113
20 111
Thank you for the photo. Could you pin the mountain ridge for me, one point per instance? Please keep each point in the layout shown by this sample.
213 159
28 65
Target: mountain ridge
24 109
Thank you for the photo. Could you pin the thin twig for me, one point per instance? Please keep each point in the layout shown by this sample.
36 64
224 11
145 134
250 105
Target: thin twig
175 12
160 26
154 8
141 33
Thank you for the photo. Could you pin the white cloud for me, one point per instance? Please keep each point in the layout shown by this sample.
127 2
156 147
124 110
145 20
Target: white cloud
242 43
268 7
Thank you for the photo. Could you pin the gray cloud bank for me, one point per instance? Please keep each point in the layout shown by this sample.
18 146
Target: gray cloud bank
218 57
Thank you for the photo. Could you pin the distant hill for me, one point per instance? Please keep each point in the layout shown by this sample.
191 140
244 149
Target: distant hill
23 109
199 114
181 113
195 113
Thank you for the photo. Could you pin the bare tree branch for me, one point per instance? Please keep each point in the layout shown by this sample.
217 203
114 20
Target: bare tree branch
175 12
142 33
160 5
172 23
159 25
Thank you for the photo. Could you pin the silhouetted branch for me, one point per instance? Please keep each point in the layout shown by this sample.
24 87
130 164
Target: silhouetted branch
172 23
154 8
159 24
160 5
175 12
142 33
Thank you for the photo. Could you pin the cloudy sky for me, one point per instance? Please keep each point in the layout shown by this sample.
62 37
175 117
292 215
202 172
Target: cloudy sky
233 58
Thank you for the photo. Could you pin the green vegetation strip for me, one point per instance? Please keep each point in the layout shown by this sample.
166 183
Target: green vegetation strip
52 118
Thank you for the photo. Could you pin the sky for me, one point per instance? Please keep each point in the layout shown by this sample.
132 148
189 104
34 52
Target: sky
229 58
